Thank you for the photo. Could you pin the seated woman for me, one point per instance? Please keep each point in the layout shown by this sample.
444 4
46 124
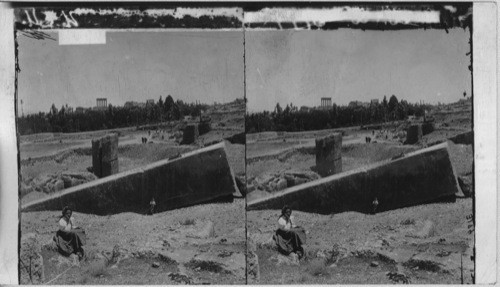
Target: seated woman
69 238
289 237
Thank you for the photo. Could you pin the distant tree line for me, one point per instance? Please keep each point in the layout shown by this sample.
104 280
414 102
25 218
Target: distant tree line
61 120
292 119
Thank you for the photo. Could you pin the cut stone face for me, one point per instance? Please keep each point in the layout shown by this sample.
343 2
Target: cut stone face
193 178
420 177
329 154
414 134
105 155
190 134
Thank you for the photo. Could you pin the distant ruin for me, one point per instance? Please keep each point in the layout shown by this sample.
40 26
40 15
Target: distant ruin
329 154
195 177
419 177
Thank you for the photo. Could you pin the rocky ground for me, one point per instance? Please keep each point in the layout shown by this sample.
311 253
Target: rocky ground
199 244
202 244
421 245
426 244
53 162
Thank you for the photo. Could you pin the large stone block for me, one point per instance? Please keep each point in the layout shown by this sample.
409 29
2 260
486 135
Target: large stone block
196 177
420 177
105 155
329 154
190 134
193 178
414 134
109 167
113 194
463 138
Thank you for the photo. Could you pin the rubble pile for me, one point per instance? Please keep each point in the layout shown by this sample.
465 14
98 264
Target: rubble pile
281 181
56 182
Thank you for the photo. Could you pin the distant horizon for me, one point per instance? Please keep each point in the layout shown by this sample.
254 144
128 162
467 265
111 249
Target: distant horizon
348 64
131 66
379 101
139 102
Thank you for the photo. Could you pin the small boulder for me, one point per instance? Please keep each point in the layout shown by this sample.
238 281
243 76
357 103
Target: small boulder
207 231
282 184
374 264
156 264
428 230
59 185
300 180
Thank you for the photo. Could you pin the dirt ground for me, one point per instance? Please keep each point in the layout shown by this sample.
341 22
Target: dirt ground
209 243
201 244
45 158
425 244
177 240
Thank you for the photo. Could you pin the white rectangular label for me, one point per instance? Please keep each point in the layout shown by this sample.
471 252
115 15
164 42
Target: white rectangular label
82 37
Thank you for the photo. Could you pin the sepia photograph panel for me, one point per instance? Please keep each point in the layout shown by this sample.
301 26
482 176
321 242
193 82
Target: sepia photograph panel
129 144
359 152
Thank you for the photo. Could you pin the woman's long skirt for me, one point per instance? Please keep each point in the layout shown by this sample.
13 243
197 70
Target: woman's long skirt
70 242
289 241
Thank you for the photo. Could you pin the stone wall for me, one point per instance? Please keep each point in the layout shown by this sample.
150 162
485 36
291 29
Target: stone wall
420 177
193 178
329 154
105 155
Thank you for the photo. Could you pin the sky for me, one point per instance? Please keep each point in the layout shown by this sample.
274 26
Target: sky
131 66
300 67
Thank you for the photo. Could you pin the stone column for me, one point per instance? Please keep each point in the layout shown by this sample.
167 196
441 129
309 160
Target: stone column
329 154
190 134
414 134
105 155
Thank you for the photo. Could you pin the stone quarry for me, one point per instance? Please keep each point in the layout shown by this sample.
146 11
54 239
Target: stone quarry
419 177
195 177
